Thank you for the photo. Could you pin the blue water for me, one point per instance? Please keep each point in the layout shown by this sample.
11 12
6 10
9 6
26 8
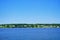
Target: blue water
29 33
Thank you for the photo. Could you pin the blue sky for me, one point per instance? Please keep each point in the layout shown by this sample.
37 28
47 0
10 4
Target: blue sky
29 11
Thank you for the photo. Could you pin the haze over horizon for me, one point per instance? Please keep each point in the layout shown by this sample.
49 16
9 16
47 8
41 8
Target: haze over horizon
29 11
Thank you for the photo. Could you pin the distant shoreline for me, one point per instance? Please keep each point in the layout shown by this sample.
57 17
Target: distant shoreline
29 25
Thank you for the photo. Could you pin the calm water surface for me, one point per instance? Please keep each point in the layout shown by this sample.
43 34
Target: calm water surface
29 33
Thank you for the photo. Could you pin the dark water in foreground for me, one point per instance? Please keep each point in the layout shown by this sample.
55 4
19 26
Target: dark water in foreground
29 33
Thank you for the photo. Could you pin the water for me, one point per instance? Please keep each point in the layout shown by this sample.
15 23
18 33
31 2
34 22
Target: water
29 33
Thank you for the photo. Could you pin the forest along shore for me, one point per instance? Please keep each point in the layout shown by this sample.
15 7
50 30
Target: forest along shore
29 25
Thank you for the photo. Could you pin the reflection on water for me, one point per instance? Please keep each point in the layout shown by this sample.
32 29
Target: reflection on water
29 33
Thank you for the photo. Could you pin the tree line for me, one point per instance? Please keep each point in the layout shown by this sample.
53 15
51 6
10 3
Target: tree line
29 25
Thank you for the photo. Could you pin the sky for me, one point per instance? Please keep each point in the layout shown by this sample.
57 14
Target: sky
29 11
